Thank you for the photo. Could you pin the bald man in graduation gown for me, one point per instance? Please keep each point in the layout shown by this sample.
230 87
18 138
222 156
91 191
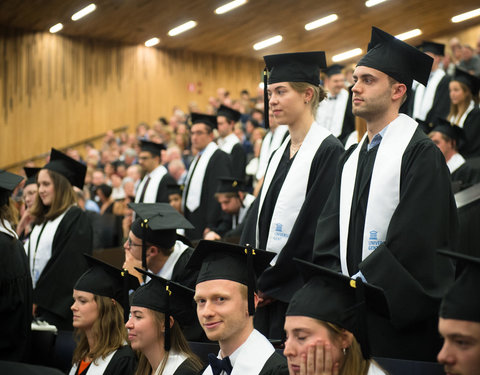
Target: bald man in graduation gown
390 211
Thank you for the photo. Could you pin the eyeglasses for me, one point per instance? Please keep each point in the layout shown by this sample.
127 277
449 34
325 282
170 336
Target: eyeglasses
199 133
130 243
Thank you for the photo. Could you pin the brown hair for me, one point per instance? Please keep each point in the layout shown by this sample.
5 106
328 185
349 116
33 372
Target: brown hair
109 331
457 110
319 93
64 197
178 344
8 212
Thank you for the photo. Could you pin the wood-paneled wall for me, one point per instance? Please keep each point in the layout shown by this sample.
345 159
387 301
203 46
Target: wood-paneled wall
56 90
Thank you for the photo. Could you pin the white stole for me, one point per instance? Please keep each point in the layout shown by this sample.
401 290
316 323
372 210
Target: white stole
424 96
460 121
331 112
6 227
250 357
152 189
455 162
226 144
38 259
167 269
173 363
97 367
384 193
270 144
194 183
247 202
293 191
373 369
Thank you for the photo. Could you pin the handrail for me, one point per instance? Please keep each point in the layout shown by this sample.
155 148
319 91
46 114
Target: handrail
45 154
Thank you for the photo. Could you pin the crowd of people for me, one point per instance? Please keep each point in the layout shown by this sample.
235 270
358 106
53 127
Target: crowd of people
317 216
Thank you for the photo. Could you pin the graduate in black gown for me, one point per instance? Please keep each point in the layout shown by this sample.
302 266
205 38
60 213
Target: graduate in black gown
158 311
62 234
296 185
15 280
199 204
100 310
392 205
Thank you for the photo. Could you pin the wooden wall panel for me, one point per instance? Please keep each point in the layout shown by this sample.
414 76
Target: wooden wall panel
56 90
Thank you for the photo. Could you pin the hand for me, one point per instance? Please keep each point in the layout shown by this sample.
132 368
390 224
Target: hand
319 360
263 299
211 236
130 264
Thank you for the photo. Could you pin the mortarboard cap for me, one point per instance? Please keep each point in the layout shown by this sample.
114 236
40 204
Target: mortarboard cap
333 69
335 298
461 301
450 130
71 169
175 189
152 147
229 113
201 118
167 297
8 182
230 185
471 81
31 173
108 281
396 59
224 261
435 48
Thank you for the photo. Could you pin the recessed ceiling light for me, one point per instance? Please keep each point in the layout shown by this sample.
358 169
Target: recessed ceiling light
347 55
152 42
182 28
229 6
82 13
56 28
321 22
466 16
267 43
409 34
372 3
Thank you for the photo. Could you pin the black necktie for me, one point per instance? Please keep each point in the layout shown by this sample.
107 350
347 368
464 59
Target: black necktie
142 196
219 365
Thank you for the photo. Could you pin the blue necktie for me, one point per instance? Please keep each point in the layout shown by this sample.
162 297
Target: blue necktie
219 365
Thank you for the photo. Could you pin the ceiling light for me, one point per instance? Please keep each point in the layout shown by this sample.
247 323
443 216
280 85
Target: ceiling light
56 28
409 34
180 29
152 42
321 22
82 13
229 6
347 55
372 3
267 43
466 16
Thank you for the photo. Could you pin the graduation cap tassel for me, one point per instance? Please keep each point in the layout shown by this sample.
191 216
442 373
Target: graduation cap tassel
167 343
251 280
144 247
266 106
125 296
362 318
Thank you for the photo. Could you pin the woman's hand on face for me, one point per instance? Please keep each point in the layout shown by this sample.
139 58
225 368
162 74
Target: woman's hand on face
319 360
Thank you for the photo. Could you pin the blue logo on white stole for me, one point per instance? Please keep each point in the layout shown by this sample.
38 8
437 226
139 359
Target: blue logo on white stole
278 233
373 241
278 227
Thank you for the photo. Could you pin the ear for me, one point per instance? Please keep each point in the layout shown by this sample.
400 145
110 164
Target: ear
398 90
346 339
255 300
308 95
152 251
171 321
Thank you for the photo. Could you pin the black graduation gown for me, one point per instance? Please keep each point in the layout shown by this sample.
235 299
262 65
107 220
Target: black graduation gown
275 365
123 362
209 212
406 265
15 300
54 288
466 175
239 162
186 368
471 129
348 120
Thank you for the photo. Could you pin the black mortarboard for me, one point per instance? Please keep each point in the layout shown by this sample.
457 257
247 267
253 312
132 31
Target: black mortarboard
396 59
152 147
106 280
224 261
8 182
451 130
167 297
229 113
333 69
157 223
435 48
471 81
335 298
201 118
175 189
230 185
71 169
31 173
461 301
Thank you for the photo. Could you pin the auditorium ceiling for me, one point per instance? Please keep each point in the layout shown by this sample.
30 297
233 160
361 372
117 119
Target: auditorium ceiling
235 33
